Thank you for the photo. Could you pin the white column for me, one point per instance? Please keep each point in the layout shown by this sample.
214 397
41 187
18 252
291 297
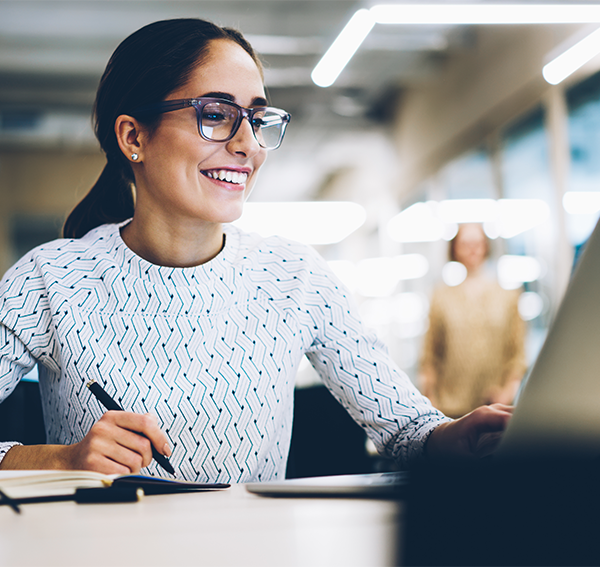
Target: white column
560 158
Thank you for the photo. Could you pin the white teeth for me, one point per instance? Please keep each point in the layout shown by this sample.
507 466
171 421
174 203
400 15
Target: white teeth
228 175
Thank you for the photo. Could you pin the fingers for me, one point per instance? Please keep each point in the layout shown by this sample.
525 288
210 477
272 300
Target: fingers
474 435
120 443
145 425
494 417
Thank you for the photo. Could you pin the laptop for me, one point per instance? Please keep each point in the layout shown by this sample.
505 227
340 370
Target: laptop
382 485
558 408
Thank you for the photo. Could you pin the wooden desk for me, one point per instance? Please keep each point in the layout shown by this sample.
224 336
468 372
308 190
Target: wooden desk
231 527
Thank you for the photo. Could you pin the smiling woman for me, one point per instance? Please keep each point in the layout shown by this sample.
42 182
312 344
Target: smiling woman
193 326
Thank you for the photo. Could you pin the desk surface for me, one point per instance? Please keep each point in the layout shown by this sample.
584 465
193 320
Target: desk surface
230 527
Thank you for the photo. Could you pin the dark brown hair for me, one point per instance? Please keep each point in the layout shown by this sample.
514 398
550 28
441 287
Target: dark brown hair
144 69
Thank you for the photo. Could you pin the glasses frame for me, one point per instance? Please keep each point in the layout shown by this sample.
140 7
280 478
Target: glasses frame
198 105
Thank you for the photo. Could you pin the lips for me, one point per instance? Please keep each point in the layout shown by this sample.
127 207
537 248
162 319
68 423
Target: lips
228 175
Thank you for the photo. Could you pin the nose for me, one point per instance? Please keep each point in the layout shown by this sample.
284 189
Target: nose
244 143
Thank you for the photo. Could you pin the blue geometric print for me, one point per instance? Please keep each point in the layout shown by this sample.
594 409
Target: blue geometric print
212 350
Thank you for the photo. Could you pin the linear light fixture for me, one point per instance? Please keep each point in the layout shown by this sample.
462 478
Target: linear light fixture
572 59
311 222
358 28
482 14
343 48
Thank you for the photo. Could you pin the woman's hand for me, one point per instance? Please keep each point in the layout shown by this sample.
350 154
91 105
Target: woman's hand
474 435
118 443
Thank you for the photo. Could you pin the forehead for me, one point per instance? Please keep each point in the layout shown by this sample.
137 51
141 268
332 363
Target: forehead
228 68
471 233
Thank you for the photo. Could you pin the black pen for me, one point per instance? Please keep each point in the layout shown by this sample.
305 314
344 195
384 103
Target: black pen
110 404
5 499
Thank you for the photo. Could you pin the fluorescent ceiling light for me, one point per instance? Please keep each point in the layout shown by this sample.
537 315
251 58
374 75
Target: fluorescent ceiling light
361 23
432 221
379 277
572 59
316 222
419 223
468 210
404 314
516 216
581 202
478 14
342 49
515 270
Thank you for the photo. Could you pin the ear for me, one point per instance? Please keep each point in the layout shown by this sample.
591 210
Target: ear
129 136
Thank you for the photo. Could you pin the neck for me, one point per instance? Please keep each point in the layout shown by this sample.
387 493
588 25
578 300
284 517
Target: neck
180 246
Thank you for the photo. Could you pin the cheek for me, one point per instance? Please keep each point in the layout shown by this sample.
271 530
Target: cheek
260 159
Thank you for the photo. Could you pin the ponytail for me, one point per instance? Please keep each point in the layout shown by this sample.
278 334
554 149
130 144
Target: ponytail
110 200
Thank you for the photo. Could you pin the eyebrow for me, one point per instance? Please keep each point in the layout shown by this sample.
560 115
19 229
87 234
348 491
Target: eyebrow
257 101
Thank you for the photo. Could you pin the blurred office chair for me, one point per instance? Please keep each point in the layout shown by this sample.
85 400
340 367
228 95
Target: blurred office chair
21 417
325 439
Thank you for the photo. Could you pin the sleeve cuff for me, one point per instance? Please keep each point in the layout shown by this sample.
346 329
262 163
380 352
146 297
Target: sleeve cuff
409 445
6 446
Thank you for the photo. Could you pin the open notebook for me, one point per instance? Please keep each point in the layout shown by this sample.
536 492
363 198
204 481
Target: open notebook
19 484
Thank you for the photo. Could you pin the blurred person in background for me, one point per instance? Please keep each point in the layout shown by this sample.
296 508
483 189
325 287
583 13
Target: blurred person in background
473 352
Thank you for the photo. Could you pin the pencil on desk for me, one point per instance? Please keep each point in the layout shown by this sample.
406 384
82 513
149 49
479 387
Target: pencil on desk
110 404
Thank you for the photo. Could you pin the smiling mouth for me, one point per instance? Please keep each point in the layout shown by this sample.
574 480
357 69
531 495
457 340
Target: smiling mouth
227 175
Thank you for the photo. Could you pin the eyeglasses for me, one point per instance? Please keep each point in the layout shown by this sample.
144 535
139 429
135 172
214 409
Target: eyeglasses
219 120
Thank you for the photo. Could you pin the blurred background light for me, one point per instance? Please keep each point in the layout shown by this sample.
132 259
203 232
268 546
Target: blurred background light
342 49
432 221
581 202
473 14
379 277
406 312
468 210
417 223
453 273
514 270
310 222
516 216
531 305
572 59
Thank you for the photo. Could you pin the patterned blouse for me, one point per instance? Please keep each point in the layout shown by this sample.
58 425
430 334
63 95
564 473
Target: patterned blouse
212 350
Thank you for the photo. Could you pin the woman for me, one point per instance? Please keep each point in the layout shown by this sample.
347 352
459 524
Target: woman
194 326
473 351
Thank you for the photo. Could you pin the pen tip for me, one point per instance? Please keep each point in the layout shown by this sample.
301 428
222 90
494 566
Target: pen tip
90 383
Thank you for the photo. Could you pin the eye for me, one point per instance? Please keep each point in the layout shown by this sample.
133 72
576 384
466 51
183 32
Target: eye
258 122
216 113
213 116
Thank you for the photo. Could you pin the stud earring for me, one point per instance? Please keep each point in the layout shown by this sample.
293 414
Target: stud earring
134 157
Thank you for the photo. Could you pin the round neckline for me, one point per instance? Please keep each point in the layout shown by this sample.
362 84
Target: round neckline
141 268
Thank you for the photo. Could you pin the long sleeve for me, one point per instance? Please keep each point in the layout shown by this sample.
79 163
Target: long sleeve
22 328
356 367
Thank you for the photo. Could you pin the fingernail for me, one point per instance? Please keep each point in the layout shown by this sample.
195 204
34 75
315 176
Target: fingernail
167 450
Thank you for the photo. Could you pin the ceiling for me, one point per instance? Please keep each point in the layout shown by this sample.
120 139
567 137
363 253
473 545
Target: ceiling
53 52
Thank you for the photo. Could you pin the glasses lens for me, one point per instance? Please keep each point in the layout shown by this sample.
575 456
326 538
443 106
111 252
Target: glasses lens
269 126
218 120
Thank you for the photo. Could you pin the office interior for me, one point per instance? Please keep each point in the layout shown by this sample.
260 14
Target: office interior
426 127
